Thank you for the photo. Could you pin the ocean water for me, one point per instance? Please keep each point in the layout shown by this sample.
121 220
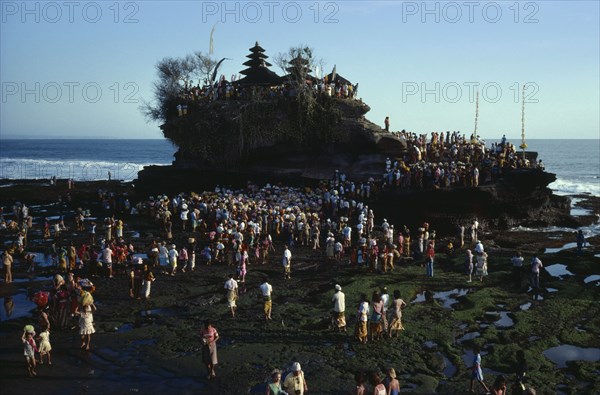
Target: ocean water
85 159
575 162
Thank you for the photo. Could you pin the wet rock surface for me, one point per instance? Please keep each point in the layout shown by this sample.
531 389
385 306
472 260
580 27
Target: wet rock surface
153 346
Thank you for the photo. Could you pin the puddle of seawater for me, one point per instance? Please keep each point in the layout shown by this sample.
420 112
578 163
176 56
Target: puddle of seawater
580 211
41 259
562 354
158 312
108 353
469 336
558 270
567 246
535 296
448 298
505 321
125 328
449 368
16 306
32 278
430 344
348 351
143 342
592 278
525 306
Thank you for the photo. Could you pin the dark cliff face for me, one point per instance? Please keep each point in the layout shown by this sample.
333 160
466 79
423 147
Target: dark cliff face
280 136
520 197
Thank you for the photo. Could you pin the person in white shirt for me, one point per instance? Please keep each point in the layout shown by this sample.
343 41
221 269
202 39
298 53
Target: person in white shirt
347 232
536 265
184 216
163 255
339 308
107 260
287 263
479 248
385 225
474 229
173 254
363 318
385 298
232 294
267 290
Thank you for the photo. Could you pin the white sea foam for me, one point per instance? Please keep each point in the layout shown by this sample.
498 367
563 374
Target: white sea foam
591 186
78 170
588 231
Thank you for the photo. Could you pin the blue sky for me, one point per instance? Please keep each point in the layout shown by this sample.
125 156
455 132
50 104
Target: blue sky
80 69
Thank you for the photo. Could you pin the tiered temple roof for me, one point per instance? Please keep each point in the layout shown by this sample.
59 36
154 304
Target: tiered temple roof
258 72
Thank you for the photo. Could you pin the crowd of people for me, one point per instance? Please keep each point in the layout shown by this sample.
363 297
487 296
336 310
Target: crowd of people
236 228
231 90
448 159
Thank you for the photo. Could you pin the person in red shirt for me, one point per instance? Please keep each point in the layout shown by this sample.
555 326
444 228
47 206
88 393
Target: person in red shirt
429 255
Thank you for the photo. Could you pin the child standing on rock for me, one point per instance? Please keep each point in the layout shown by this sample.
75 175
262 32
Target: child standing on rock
29 350
45 346
86 324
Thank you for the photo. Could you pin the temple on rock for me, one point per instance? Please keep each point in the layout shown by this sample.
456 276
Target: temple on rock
258 73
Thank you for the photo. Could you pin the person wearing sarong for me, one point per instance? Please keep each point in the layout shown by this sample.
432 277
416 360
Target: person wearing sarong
362 320
339 308
267 290
396 323
72 253
330 246
209 348
481 266
232 293
376 324
406 242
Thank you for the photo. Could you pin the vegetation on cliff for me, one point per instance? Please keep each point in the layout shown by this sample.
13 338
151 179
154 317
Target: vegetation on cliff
227 132
217 129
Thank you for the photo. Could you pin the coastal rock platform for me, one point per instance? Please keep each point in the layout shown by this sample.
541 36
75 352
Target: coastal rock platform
153 346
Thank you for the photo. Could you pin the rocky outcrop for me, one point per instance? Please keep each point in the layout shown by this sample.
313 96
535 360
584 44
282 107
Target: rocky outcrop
278 139
520 197
271 141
